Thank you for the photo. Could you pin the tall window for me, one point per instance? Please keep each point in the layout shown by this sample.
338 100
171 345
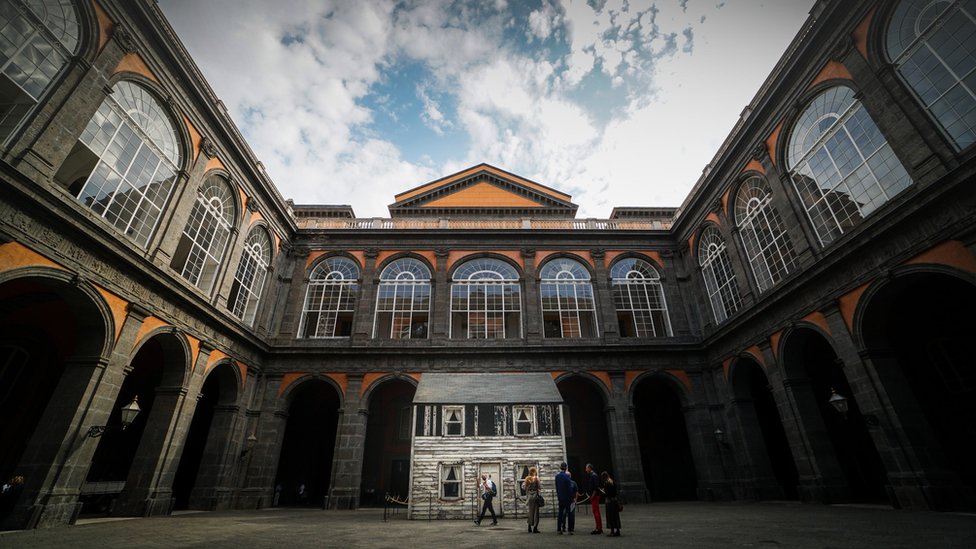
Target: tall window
763 234
403 300
125 164
486 301
723 292
330 299
840 164
204 240
933 45
568 308
639 299
245 294
37 37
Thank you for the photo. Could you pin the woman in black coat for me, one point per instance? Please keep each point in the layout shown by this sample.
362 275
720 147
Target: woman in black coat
613 505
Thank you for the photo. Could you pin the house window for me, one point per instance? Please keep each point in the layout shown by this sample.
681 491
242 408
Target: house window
453 421
568 308
451 477
524 420
522 471
403 301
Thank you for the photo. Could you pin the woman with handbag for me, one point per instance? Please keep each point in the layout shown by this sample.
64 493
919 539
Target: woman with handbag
533 496
613 505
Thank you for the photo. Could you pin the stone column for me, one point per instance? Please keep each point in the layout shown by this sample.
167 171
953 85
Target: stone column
605 309
440 288
532 315
754 477
363 330
57 457
262 465
711 461
624 446
217 455
347 465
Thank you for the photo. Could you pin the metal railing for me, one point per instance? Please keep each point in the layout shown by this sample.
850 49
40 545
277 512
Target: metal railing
589 224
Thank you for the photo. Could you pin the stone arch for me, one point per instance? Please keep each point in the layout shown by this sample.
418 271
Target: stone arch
309 410
760 443
56 334
664 433
915 327
849 463
585 422
791 119
387 444
207 460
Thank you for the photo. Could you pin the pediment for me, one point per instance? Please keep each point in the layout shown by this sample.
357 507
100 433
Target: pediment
483 190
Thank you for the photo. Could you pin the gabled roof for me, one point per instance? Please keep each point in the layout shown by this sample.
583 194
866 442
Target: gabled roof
441 388
483 190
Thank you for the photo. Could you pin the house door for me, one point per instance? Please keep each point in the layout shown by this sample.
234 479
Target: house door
495 470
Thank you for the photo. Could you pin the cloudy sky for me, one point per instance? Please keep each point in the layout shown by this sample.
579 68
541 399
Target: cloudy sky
616 102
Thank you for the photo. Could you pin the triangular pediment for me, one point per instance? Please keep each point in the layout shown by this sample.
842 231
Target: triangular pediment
483 190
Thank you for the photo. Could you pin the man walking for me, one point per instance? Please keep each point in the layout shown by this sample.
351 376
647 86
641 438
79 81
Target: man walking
566 494
488 493
595 490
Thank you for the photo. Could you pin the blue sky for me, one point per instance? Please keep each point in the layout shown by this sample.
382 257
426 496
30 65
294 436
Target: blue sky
618 103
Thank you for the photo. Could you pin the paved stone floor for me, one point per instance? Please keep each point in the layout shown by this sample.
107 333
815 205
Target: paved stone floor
698 525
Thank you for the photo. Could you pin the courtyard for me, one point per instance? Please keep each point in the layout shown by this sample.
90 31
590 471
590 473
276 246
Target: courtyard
691 524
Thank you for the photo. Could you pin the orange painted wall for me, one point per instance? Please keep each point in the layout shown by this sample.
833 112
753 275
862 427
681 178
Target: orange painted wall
726 368
774 342
757 353
148 325
754 166
848 304
215 356
713 217
605 378
105 25
860 34
831 70
682 376
243 369
14 255
725 201
481 195
611 256
426 254
441 182
453 257
213 163
132 62
118 307
772 140
540 257
951 252
194 136
819 319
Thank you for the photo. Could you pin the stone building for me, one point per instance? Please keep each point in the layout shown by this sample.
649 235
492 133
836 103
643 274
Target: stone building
146 256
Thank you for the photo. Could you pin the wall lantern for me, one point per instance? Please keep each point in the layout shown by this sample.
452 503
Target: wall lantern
838 402
129 413
249 444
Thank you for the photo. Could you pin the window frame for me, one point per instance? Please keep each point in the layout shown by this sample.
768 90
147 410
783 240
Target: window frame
566 287
531 421
753 214
464 282
446 422
399 276
245 296
329 286
444 470
710 253
648 282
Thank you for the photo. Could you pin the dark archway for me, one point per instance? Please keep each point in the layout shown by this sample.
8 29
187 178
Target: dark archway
808 353
669 469
308 445
124 460
766 445
202 465
386 455
585 425
918 332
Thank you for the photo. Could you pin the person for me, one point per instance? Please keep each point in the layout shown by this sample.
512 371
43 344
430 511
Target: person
613 505
532 485
595 491
10 495
302 495
566 495
488 491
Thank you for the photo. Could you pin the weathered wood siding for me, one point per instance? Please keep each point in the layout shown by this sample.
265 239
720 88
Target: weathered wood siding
430 452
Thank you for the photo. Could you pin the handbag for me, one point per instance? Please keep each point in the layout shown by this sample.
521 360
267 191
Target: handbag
540 501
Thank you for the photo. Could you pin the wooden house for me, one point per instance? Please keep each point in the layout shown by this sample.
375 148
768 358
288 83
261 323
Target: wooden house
466 425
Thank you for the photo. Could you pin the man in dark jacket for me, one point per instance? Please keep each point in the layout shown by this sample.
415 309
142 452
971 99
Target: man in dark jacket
566 494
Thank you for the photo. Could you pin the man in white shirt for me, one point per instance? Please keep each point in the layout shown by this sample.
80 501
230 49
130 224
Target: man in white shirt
488 493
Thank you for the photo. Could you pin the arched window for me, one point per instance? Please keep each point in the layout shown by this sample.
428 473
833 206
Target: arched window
330 300
486 301
840 164
125 164
639 299
201 248
763 234
245 294
37 37
403 301
568 307
723 291
933 45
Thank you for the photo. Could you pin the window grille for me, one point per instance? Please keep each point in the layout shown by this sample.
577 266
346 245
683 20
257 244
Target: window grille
201 248
452 476
568 305
723 291
486 301
245 293
330 299
764 237
638 297
403 301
